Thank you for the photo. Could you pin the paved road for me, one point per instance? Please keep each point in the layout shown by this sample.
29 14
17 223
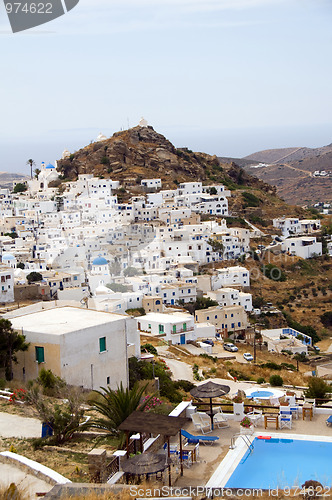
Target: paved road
20 427
180 370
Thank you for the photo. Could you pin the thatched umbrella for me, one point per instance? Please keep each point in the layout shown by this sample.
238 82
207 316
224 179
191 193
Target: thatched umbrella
210 390
146 463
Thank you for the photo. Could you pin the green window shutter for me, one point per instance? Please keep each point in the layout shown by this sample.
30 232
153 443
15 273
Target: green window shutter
174 328
40 358
161 328
184 327
102 344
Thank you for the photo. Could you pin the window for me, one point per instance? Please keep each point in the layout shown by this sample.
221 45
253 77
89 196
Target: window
102 344
239 323
161 328
108 380
40 358
150 327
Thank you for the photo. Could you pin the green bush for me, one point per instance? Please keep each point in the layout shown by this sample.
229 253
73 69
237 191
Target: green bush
250 200
33 277
150 348
326 319
276 381
260 380
2 384
271 365
317 388
185 385
273 273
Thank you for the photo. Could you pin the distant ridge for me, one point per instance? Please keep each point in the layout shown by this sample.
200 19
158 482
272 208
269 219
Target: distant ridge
291 170
7 179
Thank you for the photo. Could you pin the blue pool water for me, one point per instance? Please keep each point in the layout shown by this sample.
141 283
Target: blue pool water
262 394
283 463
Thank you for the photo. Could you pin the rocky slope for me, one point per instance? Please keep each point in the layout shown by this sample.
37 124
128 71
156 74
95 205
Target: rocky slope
290 171
141 152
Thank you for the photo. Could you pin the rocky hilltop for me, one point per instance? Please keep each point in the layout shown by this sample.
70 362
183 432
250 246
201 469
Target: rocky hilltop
141 152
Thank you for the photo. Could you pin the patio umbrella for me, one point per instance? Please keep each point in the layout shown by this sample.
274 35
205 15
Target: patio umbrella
146 463
210 390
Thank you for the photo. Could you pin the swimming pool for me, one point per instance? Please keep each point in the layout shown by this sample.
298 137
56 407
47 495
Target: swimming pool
280 463
264 393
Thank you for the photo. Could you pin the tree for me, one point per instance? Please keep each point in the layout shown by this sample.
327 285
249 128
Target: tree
31 163
130 271
317 388
37 172
10 343
34 276
20 188
65 419
217 246
116 406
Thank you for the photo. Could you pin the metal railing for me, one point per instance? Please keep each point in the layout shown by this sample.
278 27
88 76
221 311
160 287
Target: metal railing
245 439
112 468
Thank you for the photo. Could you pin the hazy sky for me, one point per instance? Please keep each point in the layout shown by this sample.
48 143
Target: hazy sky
228 77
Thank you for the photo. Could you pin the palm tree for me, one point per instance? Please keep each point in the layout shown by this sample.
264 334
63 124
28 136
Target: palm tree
31 163
116 406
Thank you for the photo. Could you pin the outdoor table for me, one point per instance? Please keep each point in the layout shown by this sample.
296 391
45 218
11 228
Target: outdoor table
194 448
271 418
307 410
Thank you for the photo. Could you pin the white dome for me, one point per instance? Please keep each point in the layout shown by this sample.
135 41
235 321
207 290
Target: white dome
102 290
8 256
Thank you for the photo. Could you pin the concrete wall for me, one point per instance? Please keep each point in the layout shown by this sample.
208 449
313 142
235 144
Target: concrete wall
81 362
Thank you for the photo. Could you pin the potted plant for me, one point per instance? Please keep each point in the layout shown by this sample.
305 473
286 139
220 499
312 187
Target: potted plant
246 426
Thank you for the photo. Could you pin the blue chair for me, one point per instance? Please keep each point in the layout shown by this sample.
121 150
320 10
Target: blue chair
191 439
329 420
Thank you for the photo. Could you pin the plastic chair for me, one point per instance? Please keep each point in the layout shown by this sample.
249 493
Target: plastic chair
201 422
295 411
285 420
329 421
255 416
220 420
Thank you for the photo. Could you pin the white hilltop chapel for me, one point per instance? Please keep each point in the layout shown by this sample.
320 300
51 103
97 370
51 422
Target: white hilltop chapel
101 137
143 122
47 174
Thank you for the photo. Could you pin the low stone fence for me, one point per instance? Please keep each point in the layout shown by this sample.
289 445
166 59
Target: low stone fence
33 468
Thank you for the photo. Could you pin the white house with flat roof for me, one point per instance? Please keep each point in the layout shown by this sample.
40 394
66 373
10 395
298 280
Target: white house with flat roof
177 328
84 347
286 339
305 247
232 297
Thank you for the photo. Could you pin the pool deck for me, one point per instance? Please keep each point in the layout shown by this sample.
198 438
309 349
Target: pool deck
211 455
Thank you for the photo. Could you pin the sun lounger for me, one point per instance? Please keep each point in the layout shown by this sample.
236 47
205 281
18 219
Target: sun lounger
196 439
329 420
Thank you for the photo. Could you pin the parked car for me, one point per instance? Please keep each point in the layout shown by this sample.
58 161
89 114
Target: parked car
230 347
248 357
209 341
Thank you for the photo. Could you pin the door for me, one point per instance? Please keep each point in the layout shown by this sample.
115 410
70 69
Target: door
182 338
